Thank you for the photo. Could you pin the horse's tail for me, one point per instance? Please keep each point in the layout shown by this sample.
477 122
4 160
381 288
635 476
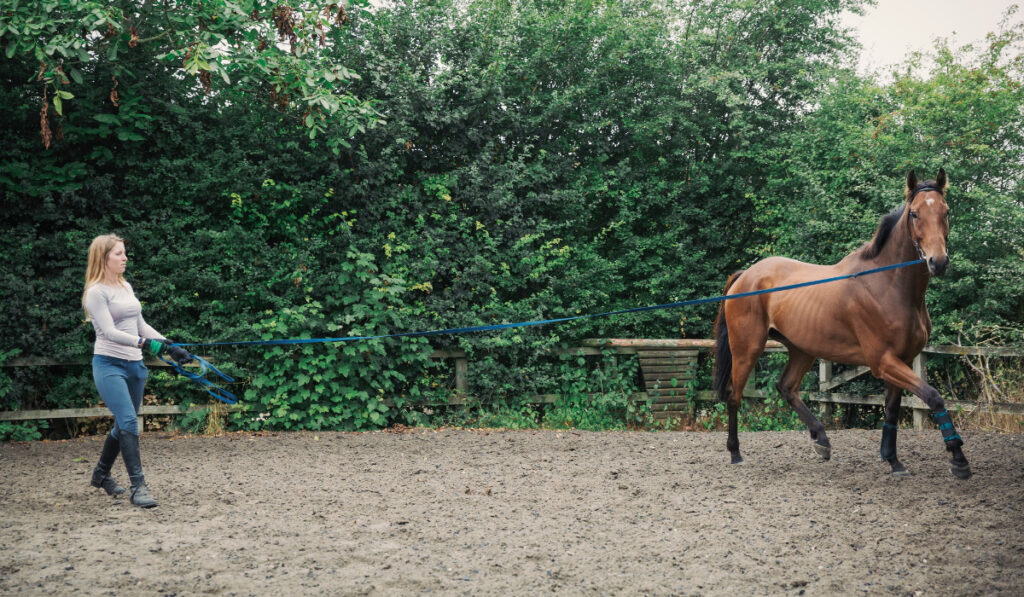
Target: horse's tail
723 354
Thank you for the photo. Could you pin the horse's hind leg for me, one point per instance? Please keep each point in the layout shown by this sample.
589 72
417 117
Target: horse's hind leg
789 386
746 349
893 397
733 443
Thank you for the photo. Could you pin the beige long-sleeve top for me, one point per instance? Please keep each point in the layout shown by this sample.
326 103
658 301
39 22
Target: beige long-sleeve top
117 318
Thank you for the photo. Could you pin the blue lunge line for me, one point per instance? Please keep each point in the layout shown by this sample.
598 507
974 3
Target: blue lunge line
197 378
504 326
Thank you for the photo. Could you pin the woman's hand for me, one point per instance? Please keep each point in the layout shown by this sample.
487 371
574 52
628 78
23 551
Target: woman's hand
153 347
163 345
179 354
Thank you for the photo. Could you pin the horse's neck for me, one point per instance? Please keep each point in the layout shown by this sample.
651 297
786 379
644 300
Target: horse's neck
913 279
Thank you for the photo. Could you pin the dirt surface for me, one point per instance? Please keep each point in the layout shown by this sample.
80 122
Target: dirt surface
516 512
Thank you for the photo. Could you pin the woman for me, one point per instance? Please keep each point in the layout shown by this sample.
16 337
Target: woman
121 337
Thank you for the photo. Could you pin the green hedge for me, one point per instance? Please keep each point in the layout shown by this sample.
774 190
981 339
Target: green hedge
537 159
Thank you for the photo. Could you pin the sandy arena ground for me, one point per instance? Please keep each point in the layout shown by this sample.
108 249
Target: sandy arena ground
516 513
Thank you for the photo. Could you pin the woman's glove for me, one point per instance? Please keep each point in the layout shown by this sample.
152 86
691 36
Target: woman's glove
158 347
179 354
153 347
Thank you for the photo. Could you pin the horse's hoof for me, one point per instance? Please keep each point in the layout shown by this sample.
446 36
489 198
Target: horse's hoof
737 459
960 472
898 470
824 452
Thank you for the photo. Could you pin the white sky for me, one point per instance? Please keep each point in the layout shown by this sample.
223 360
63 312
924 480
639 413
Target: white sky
894 28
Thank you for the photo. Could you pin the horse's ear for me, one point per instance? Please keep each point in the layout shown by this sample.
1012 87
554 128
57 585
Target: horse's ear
911 184
941 182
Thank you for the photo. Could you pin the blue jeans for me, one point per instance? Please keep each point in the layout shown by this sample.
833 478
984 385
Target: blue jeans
120 384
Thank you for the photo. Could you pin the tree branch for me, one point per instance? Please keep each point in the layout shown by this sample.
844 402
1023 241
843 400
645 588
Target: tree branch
155 37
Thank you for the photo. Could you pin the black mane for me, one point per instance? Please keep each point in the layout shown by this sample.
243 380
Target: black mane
874 248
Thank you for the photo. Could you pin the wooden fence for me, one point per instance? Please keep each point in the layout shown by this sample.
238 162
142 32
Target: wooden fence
827 382
458 396
667 367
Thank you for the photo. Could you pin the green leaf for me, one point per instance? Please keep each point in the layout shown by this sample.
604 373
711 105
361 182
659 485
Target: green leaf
129 135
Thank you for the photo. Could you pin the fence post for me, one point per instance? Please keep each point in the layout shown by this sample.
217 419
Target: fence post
920 414
462 378
824 377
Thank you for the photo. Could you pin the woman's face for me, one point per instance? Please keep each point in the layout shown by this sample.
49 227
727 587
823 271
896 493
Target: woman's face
117 260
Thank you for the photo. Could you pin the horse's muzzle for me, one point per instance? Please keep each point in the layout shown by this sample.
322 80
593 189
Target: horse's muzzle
938 267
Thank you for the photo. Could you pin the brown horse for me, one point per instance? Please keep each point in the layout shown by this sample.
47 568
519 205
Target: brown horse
878 320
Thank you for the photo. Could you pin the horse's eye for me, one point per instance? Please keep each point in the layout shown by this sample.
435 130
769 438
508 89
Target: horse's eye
913 214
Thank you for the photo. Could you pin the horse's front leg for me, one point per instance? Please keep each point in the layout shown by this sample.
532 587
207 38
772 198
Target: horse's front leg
893 397
898 373
958 463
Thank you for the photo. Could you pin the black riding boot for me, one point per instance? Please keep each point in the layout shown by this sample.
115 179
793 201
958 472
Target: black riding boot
101 474
133 462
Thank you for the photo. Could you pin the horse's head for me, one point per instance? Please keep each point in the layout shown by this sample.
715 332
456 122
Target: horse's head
928 220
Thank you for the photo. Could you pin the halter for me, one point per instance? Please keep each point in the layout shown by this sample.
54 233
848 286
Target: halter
910 217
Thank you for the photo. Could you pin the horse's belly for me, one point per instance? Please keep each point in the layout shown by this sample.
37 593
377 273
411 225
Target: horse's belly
836 348
813 322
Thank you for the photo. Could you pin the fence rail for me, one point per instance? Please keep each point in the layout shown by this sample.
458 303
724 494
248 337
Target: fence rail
661 361
458 396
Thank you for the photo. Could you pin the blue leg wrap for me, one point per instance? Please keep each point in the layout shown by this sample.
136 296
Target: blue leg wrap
949 434
888 450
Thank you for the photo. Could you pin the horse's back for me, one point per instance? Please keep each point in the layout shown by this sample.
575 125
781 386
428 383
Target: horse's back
773 272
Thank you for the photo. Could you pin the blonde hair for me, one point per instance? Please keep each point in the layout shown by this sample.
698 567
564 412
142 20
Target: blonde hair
96 271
